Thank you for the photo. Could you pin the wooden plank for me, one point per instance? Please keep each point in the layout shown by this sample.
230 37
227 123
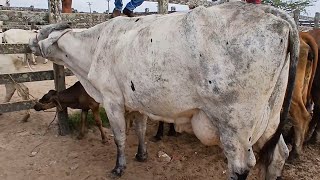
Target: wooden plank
30 76
14 49
23 16
28 27
15 26
16 106
43 18
59 75
198 3
23 9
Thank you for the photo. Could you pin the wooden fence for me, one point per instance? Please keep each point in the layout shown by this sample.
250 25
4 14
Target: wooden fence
24 18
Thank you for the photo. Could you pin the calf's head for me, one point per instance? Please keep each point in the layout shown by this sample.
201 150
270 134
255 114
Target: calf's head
44 43
48 101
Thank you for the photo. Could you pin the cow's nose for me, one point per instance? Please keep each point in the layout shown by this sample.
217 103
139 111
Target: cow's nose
37 107
242 176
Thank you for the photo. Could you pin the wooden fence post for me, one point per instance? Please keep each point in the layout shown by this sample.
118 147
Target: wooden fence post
296 15
163 6
59 75
316 20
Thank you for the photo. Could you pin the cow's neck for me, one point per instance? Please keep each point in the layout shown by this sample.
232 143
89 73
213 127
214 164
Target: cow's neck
77 50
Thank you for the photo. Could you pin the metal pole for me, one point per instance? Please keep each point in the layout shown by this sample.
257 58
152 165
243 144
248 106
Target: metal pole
316 20
108 7
89 3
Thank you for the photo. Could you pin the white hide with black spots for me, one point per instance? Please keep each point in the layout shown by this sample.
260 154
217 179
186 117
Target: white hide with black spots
221 72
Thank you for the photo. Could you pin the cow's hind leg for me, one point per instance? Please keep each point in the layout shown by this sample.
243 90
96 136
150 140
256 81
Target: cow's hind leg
172 131
159 134
301 119
118 124
273 169
97 118
83 119
315 138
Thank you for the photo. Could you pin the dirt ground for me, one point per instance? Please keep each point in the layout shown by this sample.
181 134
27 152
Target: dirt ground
27 151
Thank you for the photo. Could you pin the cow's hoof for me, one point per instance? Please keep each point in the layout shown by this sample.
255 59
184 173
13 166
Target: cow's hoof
173 133
279 178
80 136
155 138
315 139
118 171
104 141
25 118
293 157
142 157
242 176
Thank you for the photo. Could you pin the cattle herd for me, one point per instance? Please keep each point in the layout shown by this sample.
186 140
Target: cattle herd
232 75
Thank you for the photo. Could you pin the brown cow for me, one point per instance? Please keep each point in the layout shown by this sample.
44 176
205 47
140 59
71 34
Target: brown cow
74 97
315 33
301 98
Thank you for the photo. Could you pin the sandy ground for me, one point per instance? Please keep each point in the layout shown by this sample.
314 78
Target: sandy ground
29 151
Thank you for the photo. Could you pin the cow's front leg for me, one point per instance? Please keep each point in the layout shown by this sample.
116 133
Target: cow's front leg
118 126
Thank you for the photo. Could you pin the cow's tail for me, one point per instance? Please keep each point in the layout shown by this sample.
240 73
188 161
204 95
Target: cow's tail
266 153
313 45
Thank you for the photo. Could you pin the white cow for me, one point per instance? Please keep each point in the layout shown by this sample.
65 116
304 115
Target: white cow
11 63
223 70
20 36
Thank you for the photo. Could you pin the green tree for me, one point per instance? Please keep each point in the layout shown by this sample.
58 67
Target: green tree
290 5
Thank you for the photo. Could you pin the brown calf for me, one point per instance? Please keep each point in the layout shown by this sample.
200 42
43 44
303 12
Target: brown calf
74 97
301 98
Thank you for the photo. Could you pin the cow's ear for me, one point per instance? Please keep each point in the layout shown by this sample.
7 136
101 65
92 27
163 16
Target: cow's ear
47 46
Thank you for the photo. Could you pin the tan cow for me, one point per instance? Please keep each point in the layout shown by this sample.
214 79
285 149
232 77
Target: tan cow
301 98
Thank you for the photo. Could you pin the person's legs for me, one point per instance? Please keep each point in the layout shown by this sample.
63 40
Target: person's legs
118 4
133 4
118 7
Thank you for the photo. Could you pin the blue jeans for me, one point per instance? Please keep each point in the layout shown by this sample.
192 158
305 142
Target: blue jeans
131 5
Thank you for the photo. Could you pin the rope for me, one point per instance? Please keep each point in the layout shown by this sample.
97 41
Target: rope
14 82
36 152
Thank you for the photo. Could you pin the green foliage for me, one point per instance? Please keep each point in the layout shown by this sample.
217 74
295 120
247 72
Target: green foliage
74 119
290 5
